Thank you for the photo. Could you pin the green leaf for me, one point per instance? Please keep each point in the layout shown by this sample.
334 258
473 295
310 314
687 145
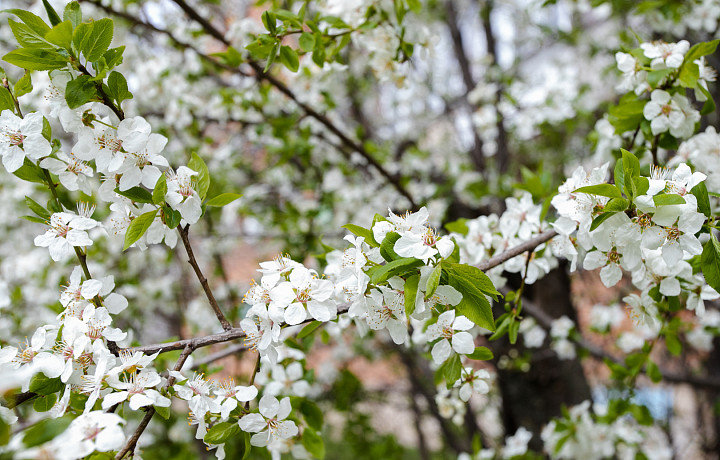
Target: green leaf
411 290
46 430
699 50
689 75
387 247
38 209
362 232
313 443
34 219
709 105
117 87
79 91
114 57
33 21
665 199
608 190
710 260
137 194
642 184
138 227
223 199
6 100
513 330
600 219
306 42
72 13
474 305
43 385
481 354
221 432
619 175
653 372
628 114
312 413
52 14
673 343
158 194
5 433
30 172
269 21
170 217
394 268
309 329
452 369
318 54
27 37
61 35
271 56
23 86
93 39
617 205
35 59
44 403
656 77
703 200
289 58
203 178
473 275
163 412
433 281
459 226
631 167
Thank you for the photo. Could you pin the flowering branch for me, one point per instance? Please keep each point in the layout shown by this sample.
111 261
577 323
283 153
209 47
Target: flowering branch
130 444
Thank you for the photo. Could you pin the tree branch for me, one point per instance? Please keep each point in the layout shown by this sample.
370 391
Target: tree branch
529 245
203 281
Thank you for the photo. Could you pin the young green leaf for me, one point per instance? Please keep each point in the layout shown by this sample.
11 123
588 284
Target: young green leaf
665 199
33 21
72 13
411 290
481 354
289 58
52 14
203 178
138 227
306 42
223 199
312 413
710 260
35 59
313 443
608 190
61 35
362 232
703 200
37 208
158 194
137 194
395 268
433 281
79 91
23 86
221 432
117 87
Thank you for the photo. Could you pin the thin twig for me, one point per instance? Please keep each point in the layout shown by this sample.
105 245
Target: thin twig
203 281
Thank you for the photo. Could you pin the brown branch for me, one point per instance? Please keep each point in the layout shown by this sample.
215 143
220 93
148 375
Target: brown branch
203 281
517 250
130 444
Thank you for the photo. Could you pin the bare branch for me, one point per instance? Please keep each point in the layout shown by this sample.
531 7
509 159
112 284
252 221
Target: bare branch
517 250
203 281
